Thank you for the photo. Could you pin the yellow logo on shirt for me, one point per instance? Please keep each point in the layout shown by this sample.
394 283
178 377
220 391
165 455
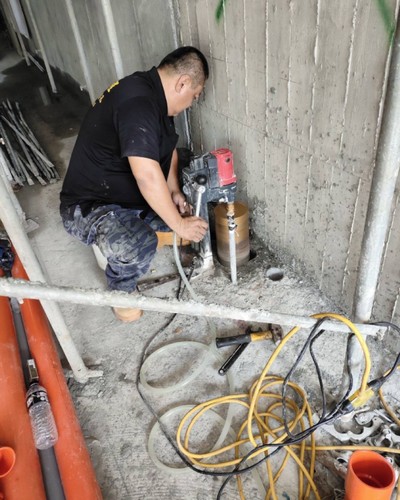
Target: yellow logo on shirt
108 90
112 86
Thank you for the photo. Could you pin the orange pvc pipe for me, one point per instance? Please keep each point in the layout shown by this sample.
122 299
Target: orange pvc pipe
7 460
369 477
76 470
25 479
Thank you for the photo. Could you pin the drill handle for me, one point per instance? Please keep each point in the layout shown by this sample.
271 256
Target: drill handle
245 339
235 340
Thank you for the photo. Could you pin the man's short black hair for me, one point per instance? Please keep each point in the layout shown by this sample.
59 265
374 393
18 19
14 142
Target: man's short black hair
187 60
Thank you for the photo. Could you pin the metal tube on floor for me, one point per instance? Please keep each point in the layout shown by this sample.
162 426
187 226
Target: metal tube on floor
19 239
42 291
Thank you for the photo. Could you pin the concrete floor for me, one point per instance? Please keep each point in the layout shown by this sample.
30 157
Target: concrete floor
115 422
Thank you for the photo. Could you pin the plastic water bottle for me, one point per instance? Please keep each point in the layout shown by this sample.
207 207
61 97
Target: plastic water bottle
42 421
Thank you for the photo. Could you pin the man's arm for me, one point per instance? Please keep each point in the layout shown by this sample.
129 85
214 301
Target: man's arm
173 185
156 192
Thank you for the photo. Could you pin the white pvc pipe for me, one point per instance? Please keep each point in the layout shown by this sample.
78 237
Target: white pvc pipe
174 15
166 351
382 191
112 36
18 15
42 291
379 208
41 48
81 50
19 239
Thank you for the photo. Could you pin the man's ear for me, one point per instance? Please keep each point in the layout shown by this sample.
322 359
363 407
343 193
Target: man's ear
183 82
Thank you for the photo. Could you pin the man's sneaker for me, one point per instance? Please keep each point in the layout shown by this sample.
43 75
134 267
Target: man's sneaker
127 315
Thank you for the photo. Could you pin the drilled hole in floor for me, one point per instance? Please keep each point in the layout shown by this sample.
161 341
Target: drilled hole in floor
275 274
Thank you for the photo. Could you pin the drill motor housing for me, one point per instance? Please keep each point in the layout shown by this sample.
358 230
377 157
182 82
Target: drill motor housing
209 178
215 172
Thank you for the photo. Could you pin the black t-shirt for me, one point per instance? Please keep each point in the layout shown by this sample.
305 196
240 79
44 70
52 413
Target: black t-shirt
129 119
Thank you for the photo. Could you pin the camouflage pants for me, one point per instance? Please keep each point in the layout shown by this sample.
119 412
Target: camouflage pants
128 241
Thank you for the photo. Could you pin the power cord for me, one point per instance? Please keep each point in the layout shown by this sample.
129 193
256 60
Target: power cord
284 436
275 432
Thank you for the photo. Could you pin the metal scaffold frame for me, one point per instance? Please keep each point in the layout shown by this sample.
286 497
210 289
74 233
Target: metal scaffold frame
12 219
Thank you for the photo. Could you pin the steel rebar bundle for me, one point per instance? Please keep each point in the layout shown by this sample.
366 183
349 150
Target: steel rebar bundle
25 160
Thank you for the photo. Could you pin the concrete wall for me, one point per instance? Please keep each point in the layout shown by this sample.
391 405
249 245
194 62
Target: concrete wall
144 32
57 35
296 91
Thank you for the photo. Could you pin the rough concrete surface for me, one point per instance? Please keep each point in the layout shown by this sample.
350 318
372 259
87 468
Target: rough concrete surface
114 419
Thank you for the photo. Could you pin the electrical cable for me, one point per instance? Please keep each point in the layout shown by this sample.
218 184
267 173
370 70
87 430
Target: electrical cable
388 374
330 417
208 349
275 433
325 418
278 445
283 436
142 360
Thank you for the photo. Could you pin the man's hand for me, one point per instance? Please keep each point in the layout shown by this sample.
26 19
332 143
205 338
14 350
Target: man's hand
152 185
180 201
192 228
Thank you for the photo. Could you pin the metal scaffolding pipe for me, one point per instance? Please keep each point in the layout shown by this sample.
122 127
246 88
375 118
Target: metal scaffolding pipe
4 10
16 233
3 175
382 192
113 38
28 289
81 50
18 34
41 48
379 208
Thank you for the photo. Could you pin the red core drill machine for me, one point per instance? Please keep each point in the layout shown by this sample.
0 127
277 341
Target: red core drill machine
210 178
